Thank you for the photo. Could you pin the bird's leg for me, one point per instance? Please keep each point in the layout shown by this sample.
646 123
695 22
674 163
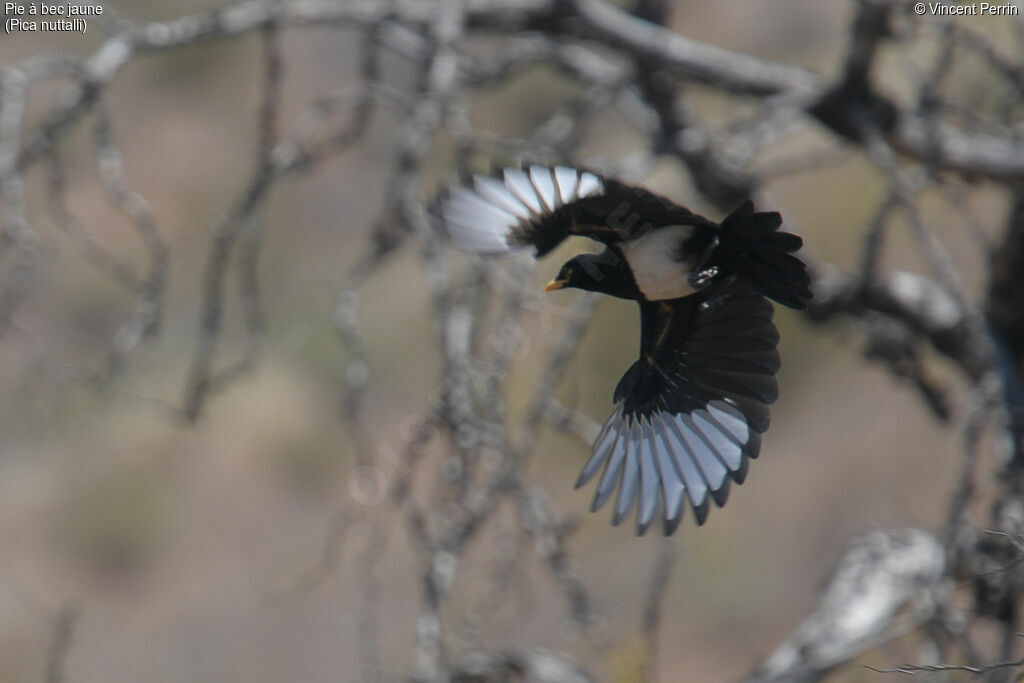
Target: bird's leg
717 296
702 275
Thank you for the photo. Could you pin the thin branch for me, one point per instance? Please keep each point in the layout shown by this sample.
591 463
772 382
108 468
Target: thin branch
914 669
60 646
653 603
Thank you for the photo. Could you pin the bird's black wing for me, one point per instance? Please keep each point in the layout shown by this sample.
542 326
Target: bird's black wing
540 206
691 410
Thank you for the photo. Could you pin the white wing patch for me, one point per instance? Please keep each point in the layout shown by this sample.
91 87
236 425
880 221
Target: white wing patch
568 180
494 191
482 217
653 260
663 459
544 184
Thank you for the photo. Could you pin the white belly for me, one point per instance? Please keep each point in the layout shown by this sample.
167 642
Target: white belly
652 258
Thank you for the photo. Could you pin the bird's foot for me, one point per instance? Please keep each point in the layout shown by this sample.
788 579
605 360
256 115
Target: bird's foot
700 279
717 296
703 273
701 268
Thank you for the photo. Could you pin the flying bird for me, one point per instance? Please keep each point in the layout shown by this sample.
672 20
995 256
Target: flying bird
690 412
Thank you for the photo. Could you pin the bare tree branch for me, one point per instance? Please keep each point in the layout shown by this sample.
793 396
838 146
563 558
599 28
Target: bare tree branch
460 481
886 584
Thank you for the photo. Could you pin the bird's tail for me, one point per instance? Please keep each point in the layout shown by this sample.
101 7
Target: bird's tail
753 247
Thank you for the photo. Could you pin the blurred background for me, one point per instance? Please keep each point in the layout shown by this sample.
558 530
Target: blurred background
162 520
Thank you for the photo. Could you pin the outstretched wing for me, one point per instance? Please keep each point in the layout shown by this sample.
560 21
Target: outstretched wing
540 206
691 410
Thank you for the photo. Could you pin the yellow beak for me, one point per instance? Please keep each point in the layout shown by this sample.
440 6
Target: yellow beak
555 284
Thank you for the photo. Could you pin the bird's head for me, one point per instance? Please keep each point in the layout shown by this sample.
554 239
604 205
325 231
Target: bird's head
606 272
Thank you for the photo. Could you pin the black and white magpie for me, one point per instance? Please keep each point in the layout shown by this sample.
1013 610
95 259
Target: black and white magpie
691 410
